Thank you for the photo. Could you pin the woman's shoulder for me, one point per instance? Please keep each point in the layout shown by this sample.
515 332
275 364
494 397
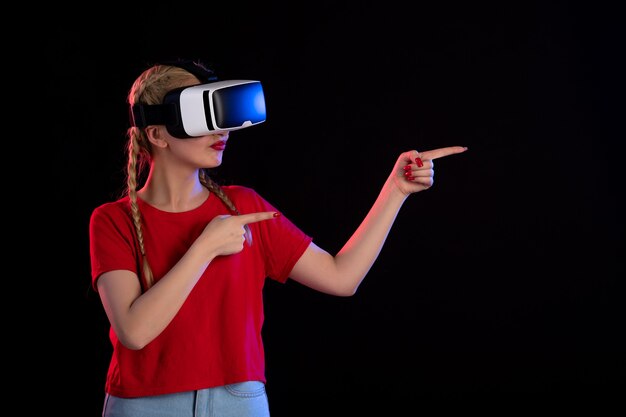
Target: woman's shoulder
113 208
246 196
242 191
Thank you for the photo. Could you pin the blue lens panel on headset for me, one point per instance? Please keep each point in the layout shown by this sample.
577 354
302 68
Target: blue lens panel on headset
236 106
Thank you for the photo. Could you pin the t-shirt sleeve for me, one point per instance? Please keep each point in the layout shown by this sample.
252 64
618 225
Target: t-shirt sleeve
111 241
282 243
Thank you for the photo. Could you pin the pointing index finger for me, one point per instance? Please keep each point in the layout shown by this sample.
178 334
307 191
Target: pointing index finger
441 152
258 217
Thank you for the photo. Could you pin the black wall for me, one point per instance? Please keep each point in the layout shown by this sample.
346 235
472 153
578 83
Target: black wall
503 280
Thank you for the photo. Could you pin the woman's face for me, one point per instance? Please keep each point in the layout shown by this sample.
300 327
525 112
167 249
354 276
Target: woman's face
197 152
201 152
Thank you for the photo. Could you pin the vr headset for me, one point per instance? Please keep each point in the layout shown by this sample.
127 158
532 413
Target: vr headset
200 110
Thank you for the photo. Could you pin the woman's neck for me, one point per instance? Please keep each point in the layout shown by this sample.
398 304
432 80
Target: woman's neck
173 195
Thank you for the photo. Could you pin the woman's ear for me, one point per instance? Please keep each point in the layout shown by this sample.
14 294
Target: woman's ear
156 135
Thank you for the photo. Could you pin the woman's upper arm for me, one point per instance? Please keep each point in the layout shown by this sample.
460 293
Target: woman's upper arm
316 269
118 290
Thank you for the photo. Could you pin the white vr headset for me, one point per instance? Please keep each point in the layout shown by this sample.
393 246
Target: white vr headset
203 109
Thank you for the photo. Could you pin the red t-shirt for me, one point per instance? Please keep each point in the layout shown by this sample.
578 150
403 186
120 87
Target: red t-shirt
215 338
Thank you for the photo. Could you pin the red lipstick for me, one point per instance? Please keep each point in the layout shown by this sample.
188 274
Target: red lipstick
220 145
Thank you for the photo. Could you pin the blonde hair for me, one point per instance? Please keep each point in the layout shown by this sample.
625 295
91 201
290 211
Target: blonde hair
150 88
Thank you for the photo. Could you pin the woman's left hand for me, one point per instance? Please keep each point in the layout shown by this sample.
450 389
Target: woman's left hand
414 171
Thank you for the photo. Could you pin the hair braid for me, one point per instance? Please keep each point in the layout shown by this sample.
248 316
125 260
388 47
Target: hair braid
139 154
133 152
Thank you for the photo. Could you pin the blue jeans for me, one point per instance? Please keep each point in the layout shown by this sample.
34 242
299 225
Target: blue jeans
244 399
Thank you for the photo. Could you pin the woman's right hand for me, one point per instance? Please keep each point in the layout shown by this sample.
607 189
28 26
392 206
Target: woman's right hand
226 234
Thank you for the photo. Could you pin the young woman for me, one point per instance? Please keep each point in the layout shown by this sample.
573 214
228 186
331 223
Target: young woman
180 262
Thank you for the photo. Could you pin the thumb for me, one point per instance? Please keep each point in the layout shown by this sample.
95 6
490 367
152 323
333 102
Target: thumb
408 157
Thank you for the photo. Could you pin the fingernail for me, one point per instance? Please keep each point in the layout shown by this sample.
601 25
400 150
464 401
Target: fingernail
419 162
407 167
276 214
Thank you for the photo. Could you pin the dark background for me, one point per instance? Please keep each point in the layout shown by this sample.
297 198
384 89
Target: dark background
505 280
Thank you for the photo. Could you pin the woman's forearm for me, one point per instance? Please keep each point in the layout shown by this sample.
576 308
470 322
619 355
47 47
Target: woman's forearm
357 256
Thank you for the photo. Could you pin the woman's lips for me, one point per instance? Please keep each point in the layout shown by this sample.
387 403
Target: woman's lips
219 146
